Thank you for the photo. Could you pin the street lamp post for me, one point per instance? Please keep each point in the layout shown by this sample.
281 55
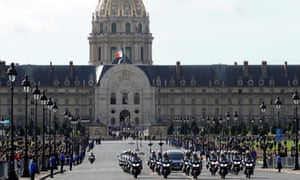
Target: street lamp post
36 95
70 119
49 105
43 100
26 85
295 98
208 132
74 123
229 130
235 118
263 110
12 73
278 130
54 109
67 133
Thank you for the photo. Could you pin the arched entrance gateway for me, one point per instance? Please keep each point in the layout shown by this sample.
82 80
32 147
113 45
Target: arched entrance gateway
125 124
125 100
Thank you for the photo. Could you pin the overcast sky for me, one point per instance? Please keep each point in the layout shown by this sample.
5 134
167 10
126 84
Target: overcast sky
190 31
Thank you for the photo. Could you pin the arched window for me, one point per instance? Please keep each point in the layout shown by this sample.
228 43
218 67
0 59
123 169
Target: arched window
113 28
124 98
136 98
127 28
113 98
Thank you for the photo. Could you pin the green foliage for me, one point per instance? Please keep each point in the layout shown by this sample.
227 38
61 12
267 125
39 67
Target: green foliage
171 129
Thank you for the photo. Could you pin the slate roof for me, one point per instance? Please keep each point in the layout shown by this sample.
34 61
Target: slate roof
220 75
193 75
52 75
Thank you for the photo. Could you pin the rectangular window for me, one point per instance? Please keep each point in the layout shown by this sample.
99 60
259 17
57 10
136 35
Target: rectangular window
113 51
113 98
193 101
128 52
137 98
77 101
142 53
66 101
172 111
99 54
229 102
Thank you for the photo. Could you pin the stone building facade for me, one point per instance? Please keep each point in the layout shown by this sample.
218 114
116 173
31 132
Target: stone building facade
146 98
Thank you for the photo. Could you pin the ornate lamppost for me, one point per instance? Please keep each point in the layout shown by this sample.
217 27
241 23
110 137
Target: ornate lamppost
263 110
26 85
12 73
278 130
49 105
36 95
74 124
235 119
43 100
67 133
54 109
229 130
295 98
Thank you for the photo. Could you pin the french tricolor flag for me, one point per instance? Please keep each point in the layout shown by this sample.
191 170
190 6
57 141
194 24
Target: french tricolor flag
119 54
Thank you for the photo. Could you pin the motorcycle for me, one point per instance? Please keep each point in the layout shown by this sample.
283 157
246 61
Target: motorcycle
152 164
237 166
157 167
92 159
196 168
166 168
213 167
249 168
223 169
186 167
136 167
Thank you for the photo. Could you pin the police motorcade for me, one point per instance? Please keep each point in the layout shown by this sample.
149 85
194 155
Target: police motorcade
249 164
223 165
212 163
130 162
195 166
135 164
152 161
158 162
186 163
165 166
236 163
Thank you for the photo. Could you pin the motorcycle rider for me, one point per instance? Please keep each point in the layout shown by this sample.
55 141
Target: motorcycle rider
186 160
195 157
152 157
248 160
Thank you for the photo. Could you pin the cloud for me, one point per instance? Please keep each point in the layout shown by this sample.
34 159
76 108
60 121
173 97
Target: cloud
39 15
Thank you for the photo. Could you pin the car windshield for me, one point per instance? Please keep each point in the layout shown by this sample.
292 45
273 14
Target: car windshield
176 156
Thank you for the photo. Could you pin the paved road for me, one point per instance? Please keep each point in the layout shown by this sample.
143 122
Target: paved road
106 166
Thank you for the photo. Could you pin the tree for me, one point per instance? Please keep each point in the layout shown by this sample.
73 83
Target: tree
194 128
184 129
171 129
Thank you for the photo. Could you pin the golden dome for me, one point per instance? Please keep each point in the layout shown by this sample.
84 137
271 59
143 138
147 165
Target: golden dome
118 8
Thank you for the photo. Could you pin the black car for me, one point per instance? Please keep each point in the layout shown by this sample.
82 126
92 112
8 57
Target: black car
176 156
